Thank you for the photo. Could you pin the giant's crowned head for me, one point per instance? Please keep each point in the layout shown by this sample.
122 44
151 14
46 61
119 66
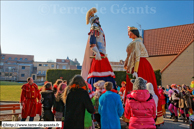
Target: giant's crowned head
91 18
133 31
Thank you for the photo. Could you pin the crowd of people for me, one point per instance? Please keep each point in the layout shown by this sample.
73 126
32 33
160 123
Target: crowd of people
179 100
78 106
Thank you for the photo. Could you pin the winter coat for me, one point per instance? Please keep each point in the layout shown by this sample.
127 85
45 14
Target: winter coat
77 102
47 99
172 95
110 110
59 105
185 99
162 97
140 109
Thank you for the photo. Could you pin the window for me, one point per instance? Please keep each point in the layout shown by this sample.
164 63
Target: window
9 58
34 77
6 74
3 57
40 64
21 59
23 67
0 73
45 65
63 60
16 58
39 72
52 65
43 72
10 74
22 75
64 67
26 59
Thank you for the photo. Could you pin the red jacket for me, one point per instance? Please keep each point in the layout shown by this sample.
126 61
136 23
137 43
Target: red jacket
29 96
162 97
140 109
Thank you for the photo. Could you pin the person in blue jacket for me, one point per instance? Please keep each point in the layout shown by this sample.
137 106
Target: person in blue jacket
110 108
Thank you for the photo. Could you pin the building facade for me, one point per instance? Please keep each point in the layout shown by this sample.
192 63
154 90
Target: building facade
15 67
40 69
181 69
117 66
170 50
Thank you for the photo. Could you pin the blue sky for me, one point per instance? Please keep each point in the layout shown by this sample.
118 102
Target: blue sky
50 30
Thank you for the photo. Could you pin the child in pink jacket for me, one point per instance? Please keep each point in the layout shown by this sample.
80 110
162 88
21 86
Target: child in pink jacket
140 107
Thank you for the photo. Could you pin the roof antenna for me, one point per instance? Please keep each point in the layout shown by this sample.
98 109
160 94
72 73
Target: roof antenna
139 29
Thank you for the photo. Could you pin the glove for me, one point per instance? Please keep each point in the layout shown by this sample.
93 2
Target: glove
135 75
97 53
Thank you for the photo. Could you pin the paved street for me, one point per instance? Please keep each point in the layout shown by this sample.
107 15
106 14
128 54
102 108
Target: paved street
169 124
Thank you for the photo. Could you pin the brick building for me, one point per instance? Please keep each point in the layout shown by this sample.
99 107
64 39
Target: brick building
15 67
40 69
67 63
165 48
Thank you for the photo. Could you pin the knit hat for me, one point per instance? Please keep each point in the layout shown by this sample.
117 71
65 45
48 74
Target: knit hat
99 84
139 83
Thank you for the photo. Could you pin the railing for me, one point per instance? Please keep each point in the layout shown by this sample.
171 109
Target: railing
8 78
39 74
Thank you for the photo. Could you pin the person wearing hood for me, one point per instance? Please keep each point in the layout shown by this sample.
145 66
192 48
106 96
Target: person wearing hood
140 107
150 88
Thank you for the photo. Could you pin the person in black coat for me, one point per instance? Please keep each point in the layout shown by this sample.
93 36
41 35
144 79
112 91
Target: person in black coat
47 101
76 100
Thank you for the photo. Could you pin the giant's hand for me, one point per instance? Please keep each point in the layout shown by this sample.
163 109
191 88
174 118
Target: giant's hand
135 74
96 51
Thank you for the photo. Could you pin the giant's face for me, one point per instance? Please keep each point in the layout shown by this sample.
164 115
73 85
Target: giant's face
130 34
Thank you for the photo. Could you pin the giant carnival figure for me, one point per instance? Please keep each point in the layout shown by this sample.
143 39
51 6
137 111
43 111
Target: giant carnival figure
96 65
136 65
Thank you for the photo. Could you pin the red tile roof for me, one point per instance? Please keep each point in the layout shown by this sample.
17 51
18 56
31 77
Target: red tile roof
178 54
168 40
